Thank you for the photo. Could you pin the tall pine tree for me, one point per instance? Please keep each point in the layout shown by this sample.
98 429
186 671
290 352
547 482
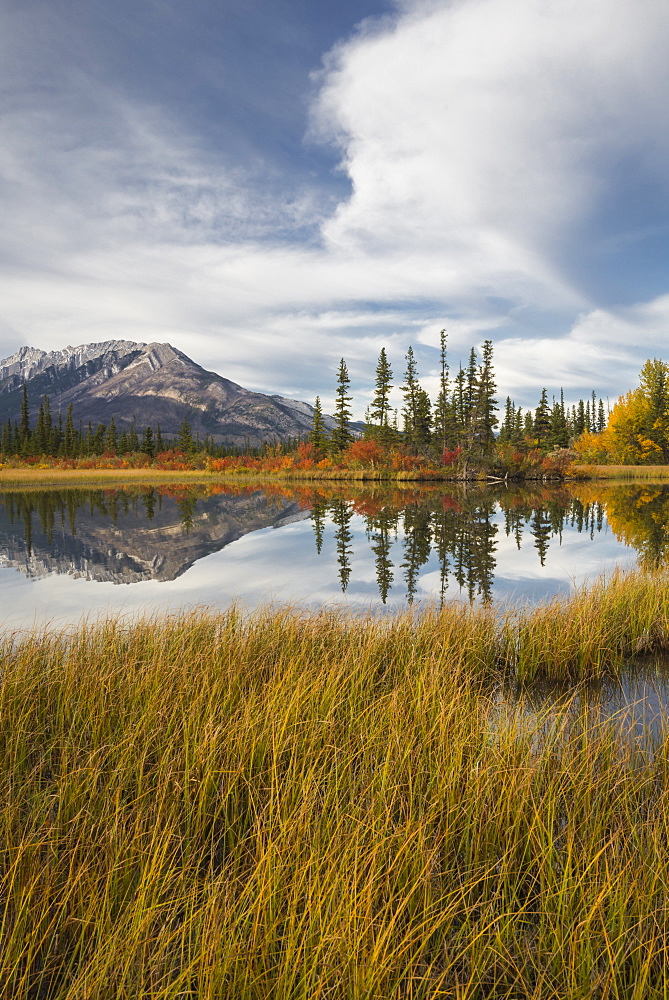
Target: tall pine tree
341 435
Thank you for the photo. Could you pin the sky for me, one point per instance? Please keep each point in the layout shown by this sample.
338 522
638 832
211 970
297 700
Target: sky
271 185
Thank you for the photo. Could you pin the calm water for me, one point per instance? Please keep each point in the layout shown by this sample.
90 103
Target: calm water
72 553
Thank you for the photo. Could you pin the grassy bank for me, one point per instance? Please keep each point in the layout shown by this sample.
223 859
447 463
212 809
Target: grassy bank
25 477
295 806
642 472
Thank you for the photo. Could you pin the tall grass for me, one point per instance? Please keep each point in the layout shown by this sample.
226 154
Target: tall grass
315 806
642 472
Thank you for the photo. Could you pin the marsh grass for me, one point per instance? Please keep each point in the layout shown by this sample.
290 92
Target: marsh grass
625 472
294 805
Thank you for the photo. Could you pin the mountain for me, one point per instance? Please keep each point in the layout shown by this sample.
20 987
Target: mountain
150 384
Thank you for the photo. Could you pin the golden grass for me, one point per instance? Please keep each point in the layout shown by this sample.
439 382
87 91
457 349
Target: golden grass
645 472
26 477
309 806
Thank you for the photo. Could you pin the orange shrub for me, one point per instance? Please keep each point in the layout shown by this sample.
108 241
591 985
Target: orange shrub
365 451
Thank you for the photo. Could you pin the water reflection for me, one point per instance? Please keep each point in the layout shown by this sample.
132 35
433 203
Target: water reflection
461 529
632 705
129 535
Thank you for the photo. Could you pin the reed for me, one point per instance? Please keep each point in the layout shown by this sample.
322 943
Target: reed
295 805
626 472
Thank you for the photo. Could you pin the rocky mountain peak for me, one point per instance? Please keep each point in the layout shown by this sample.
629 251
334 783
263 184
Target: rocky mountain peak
148 384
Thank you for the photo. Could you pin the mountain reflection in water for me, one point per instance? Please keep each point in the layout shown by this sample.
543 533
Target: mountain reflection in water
128 535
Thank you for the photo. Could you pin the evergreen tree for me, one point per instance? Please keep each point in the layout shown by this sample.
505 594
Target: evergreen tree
506 430
471 388
379 411
341 435
559 432
423 421
111 437
97 442
542 420
459 406
485 412
40 438
184 441
6 437
654 392
133 440
414 411
69 445
444 420
318 435
601 418
528 424
148 444
159 440
57 436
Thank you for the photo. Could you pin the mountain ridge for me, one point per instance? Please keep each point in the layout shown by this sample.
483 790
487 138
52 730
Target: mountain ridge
148 384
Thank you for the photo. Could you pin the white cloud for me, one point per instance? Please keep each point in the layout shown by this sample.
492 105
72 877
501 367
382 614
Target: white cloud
481 138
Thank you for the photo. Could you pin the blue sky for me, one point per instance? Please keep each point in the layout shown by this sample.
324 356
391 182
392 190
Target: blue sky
273 185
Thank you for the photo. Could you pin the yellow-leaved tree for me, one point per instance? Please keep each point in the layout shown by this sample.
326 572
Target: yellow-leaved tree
637 432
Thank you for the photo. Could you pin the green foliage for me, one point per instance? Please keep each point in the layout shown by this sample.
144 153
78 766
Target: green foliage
341 435
319 434
380 425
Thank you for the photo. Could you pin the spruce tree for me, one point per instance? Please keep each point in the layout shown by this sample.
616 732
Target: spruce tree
506 430
70 439
40 437
485 414
443 411
542 420
601 418
184 441
379 411
318 435
559 432
6 444
459 407
148 444
133 440
111 437
471 388
422 421
410 389
341 435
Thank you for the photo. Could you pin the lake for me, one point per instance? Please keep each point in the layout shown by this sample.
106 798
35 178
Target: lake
72 553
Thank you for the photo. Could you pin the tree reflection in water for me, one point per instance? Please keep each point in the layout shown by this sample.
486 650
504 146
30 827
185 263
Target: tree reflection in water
459 529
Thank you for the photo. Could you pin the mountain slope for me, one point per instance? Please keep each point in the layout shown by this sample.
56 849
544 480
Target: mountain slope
150 383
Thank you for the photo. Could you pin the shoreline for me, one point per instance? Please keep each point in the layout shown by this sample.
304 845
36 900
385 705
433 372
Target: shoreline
30 476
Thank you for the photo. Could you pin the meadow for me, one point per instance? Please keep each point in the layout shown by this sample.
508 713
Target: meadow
311 805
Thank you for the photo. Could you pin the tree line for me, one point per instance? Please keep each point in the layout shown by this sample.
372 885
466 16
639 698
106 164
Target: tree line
463 420
50 435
